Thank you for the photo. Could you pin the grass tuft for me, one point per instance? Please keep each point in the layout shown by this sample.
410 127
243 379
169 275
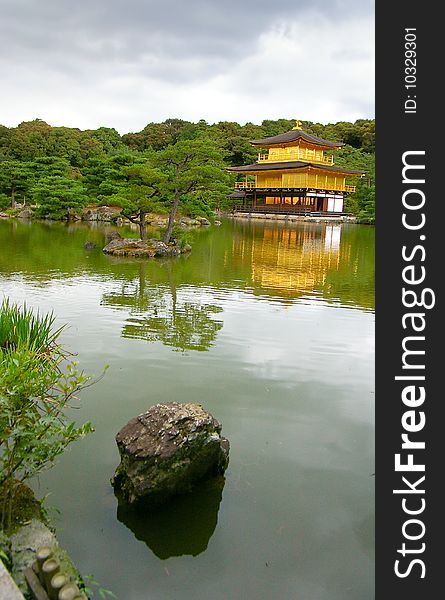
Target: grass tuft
22 327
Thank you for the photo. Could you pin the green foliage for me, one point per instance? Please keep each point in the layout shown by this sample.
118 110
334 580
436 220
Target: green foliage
140 195
270 128
101 167
21 327
16 179
109 140
192 170
105 177
199 205
191 165
365 197
183 236
58 197
46 181
362 202
38 385
189 171
360 134
34 139
29 140
6 559
91 586
157 136
353 158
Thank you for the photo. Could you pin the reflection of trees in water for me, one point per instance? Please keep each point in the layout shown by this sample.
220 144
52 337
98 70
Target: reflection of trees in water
185 326
163 313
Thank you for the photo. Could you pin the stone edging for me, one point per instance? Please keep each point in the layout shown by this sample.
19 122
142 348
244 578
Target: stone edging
8 587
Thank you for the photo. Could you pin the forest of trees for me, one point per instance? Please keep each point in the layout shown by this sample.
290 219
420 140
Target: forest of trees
61 170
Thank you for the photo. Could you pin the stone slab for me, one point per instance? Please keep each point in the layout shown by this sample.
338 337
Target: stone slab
8 588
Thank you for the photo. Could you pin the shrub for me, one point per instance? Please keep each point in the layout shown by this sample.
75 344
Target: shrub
196 207
183 236
21 327
5 202
38 384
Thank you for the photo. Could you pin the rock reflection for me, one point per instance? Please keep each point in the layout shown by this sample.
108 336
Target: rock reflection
183 526
177 318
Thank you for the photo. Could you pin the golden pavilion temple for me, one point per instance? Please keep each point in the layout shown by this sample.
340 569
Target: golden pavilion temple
294 175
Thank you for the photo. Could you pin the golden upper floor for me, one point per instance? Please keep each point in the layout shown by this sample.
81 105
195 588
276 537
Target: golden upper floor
293 153
296 145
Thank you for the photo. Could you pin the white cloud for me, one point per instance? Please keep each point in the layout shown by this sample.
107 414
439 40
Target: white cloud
309 66
313 70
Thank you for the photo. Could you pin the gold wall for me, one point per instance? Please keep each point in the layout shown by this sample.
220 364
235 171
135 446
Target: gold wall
296 153
302 179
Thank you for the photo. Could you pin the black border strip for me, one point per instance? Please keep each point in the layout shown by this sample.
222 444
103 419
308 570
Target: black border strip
400 131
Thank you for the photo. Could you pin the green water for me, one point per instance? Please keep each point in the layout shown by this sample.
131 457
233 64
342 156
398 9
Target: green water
271 328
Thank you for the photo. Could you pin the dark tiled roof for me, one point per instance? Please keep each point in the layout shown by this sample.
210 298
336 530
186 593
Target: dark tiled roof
295 135
292 165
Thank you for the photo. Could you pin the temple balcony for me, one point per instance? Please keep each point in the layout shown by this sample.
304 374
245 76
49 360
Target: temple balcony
242 185
250 185
296 154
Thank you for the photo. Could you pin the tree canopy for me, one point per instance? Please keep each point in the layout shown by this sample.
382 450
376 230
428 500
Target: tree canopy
173 163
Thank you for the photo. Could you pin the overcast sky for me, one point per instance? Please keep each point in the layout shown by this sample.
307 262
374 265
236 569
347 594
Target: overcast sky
124 63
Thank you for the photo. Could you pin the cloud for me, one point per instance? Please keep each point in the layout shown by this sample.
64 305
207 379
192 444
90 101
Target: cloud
123 64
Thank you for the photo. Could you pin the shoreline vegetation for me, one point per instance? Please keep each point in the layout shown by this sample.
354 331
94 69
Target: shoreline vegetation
39 387
175 168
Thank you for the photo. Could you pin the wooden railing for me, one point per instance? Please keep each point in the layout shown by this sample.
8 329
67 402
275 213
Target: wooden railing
240 185
250 185
306 155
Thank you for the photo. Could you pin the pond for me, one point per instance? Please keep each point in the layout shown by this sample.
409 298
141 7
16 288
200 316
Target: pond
269 326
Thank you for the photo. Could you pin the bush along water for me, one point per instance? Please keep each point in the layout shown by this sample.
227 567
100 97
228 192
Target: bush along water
39 383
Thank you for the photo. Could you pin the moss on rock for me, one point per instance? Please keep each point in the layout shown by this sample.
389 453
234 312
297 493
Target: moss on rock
166 451
18 506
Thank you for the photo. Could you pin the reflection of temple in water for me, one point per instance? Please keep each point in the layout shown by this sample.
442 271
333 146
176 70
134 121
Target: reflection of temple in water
292 260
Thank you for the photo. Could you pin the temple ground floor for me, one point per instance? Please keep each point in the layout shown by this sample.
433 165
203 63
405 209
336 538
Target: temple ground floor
289 201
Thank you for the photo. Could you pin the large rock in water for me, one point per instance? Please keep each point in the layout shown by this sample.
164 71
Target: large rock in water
166 451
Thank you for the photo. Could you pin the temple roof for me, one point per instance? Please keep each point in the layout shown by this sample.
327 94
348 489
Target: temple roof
238 194
270 166
293 136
